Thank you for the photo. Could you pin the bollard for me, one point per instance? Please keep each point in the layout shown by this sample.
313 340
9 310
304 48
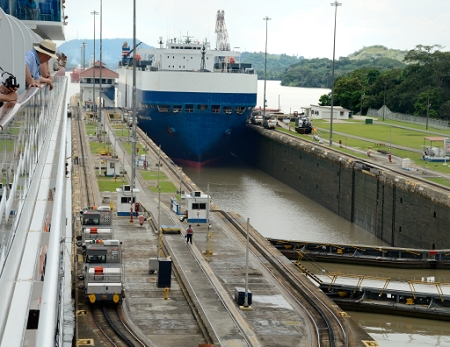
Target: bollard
166 293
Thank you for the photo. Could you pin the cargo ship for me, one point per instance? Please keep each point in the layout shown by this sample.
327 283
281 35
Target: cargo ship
192 100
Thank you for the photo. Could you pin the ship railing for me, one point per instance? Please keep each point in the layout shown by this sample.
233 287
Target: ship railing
28 128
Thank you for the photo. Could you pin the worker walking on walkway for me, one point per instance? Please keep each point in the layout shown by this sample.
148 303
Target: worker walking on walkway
189 233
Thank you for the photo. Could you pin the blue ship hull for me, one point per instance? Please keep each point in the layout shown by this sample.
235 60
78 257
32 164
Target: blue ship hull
192 100
194 136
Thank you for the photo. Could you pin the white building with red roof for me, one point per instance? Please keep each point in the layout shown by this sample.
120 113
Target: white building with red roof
90 80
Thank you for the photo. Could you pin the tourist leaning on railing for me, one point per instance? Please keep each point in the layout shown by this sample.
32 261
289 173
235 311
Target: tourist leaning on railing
41 54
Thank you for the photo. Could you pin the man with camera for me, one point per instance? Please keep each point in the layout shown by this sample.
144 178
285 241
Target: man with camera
8 92
41 54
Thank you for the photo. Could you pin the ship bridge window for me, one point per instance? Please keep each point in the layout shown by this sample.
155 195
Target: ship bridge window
215 108
202 107
177 108
239 109
163 108
227 109
189 108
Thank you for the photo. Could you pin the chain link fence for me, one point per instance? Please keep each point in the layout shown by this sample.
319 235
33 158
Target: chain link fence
401 117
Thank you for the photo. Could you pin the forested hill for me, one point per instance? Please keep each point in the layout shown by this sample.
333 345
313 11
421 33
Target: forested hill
111 51
421 87
316 73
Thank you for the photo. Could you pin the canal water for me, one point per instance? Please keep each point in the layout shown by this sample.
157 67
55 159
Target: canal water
278 211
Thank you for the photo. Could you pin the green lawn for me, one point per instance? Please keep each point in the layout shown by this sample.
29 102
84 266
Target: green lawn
166 187
380 135
109 184
139 148
97 148
8 144
153 175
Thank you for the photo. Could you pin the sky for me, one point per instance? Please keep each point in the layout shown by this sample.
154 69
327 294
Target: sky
296 27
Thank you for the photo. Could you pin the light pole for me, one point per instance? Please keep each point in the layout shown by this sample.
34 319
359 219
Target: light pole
384 101
246 304
100 93
428 110
265 68
335 4
133 146
83 66
94 13
83 55
360 107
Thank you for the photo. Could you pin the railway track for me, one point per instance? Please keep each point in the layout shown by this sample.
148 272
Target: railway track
85 170
327 323
109 320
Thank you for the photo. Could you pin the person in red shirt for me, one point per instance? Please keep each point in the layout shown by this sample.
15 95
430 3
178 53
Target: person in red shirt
189 233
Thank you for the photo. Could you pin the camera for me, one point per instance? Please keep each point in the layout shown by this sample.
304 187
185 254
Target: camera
11 82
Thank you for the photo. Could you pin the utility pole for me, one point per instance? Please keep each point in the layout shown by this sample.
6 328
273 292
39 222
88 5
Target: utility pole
428 109
360 107
83 55
265 69
101 63
94 13
384 101
335 4
133 145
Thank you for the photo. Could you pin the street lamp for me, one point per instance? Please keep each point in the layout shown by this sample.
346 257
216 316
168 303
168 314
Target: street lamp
265 68
360 106
335 4
83 55
428 110
100 93
384 101
133 146
94 13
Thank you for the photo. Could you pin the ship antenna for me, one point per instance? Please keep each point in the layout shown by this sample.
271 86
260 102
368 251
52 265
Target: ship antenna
188 38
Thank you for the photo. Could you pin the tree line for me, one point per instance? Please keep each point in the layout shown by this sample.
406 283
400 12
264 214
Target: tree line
418 85
422 86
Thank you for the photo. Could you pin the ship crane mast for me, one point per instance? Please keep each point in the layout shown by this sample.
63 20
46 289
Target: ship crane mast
222 43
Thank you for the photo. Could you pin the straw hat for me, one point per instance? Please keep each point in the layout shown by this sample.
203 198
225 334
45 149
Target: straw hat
47 47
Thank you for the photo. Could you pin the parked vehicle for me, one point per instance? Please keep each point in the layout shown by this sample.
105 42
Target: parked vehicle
270 123
257 118
303 125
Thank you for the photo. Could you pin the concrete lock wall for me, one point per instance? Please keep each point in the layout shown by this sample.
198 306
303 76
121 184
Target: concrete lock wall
402 212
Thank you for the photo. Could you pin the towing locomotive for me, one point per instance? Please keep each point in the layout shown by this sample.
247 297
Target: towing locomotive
103 271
